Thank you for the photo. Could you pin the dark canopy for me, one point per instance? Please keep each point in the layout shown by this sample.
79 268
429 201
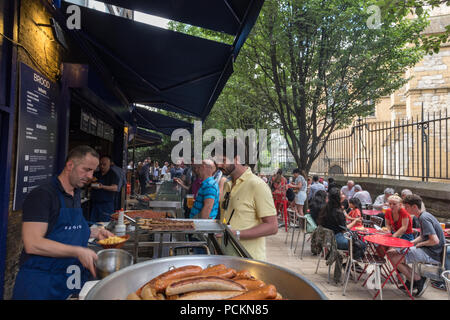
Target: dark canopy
226 16
145 138
163 68
155 121
159 67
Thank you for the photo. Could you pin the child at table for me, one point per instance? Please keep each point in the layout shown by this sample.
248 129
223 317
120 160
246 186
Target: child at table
354 215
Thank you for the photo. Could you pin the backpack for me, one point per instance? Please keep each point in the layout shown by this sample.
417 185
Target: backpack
290 194
359 247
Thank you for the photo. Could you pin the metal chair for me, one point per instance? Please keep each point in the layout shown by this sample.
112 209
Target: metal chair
446 276
325 248
293 223
367 259
430 271
306 224
377 220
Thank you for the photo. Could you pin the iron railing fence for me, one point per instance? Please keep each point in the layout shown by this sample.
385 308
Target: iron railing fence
416 147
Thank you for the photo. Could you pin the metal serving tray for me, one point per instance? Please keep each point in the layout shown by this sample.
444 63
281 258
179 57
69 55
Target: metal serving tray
121 283
200 226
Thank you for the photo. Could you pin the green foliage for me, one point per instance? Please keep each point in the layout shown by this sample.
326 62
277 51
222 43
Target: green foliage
316 65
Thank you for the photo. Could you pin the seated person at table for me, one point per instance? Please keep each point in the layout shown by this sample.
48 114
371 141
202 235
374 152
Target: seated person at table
398 221
427 247
344 204
407 192
362 195
332 217
382 200
317 204
354 216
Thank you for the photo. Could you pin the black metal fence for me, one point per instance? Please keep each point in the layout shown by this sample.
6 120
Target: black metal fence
415 148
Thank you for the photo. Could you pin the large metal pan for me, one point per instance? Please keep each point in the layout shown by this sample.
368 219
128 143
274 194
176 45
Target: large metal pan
121 283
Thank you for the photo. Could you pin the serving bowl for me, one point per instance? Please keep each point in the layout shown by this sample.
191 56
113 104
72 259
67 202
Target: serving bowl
110 261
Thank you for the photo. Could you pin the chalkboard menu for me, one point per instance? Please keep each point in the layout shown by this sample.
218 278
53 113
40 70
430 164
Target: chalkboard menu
37 133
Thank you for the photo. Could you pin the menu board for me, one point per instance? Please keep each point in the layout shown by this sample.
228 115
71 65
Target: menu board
84 121
36 145
93 126
100 125
108 132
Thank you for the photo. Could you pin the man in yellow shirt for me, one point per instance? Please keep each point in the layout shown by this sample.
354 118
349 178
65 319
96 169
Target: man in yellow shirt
247 205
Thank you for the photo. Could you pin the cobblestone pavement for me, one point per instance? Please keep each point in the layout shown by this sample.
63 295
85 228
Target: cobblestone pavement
280 253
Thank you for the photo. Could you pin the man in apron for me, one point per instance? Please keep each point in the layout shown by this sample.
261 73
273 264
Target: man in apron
56 262
104 192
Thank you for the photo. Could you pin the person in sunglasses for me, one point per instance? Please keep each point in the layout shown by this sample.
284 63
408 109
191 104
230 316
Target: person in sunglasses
247 205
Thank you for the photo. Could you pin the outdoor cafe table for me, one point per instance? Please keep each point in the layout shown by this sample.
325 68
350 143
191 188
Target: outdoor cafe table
389 241
371 212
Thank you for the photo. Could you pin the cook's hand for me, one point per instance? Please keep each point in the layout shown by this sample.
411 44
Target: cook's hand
101 233
87 258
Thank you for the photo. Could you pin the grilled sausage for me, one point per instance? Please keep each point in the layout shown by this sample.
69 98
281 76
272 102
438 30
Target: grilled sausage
209 295
250 284
133 296
243 274
148 293
203 283
267 292
161 282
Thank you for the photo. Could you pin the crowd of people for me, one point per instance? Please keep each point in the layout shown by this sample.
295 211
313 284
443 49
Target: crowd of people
225 189
341 208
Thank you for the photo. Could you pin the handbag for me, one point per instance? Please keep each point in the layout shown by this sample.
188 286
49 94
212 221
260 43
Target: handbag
359 247
290 194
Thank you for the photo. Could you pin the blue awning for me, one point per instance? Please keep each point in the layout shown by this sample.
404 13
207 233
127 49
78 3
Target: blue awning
158 122
159 67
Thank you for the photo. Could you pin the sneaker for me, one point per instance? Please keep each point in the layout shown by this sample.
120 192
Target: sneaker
421 286
440 285
408 285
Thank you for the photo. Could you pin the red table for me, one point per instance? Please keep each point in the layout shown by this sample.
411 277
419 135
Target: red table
371 212
368 231
387 241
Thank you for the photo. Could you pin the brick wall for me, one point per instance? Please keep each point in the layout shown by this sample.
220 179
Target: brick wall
47 55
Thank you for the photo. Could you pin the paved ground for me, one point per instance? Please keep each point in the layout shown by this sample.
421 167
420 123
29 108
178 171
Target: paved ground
280 254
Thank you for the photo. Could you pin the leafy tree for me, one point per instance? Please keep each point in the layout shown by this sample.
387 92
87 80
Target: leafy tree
317 65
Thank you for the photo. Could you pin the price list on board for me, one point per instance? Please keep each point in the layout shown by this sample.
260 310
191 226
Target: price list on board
37 133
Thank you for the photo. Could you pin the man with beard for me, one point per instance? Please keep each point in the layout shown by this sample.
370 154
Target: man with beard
247 205
55 233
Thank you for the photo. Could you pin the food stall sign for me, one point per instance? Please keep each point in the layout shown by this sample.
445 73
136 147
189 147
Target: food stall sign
37 133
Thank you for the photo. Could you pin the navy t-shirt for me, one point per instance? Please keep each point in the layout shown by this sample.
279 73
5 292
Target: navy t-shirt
42 204
100 195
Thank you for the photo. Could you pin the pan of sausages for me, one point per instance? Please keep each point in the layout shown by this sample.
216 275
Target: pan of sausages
204 277
212 283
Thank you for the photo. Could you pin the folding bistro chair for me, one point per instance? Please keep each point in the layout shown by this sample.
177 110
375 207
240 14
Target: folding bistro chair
367 259
430 271
308 228
293 223
446 276
378 221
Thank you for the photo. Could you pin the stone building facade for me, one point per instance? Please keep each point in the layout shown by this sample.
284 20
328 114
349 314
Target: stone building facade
390 153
